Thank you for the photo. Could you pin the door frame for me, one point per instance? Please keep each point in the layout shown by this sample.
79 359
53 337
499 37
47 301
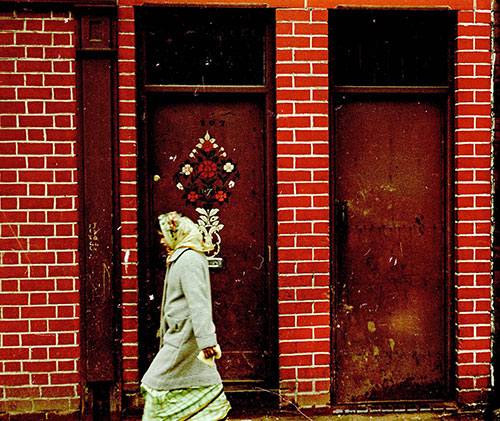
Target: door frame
266 93
447 92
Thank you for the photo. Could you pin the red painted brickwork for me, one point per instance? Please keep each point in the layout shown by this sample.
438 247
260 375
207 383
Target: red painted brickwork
39 312
38 189
128 195
303 204
473 186
496 204
303 193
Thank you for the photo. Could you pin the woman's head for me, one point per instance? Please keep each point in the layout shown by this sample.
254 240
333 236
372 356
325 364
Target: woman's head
179 231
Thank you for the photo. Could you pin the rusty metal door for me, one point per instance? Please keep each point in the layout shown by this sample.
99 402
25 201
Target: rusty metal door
207 160
390 225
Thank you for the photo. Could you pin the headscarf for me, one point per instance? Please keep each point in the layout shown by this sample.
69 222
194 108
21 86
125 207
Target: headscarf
180 232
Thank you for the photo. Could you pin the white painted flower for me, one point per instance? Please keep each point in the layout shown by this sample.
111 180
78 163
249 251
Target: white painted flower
231 184
187 169
180 186
191 155
228 167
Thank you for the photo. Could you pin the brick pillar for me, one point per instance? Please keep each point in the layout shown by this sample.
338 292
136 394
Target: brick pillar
473 202
128 193
495 398
303 204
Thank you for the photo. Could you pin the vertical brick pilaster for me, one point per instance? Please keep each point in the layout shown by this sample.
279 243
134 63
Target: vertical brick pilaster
303 204
473 202
128 192
495 397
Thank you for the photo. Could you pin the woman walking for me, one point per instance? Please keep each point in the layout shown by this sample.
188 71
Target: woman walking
182 382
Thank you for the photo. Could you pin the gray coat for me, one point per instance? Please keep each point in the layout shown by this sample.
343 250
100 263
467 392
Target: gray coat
187 324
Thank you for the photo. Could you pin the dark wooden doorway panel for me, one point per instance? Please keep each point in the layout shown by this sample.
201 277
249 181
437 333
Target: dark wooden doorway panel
240 288
393 213
194 85
390 222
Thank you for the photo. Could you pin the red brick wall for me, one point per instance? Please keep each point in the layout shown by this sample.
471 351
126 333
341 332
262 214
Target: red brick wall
39 345
128 196
303 203
303 188
496 204
473 202
38 188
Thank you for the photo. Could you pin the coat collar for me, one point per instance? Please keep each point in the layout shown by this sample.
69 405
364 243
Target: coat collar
176 254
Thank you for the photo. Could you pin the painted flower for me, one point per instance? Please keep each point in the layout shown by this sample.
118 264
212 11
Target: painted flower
228 167
207 175
207 146
221 196
193 196
187 169
207 169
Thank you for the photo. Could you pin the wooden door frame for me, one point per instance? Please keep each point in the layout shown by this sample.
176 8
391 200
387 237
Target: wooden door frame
266 92
449 213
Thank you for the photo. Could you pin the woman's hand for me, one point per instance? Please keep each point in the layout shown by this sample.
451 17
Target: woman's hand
209 352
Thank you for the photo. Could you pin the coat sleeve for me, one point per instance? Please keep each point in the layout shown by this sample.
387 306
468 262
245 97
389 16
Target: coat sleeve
196 287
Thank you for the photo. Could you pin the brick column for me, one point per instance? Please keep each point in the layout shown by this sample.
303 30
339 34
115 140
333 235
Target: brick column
128 193
303 204
473 201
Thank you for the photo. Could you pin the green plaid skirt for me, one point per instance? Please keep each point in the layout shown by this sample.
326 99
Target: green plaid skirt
194 404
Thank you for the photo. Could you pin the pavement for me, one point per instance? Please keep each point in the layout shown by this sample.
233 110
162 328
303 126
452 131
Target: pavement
291 413
300 416
357 417
407 416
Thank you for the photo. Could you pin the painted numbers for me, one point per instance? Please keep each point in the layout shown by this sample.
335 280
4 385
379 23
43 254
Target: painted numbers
212 123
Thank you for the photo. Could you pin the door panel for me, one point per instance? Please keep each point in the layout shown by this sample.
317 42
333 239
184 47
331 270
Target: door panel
240 289
390 233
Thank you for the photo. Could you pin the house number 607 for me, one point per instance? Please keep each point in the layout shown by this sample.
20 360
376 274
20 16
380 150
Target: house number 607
213 123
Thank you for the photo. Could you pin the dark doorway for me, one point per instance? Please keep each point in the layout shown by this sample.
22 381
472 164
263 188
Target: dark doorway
393 212
207 152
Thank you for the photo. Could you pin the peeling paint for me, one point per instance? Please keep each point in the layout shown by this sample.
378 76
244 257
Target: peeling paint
371 327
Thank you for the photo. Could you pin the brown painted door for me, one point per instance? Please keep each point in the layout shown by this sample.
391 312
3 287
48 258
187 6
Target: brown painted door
210 154
390 237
